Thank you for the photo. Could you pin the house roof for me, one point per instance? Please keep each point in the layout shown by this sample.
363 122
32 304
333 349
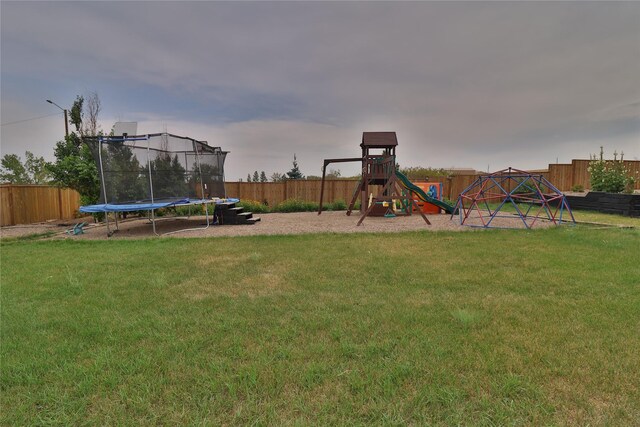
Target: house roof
379 139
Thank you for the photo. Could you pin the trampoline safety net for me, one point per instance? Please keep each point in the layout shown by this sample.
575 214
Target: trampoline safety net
156 168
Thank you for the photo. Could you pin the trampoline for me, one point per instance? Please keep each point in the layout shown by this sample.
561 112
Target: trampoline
155 171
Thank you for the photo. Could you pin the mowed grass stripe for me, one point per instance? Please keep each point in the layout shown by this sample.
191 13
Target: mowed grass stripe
482 328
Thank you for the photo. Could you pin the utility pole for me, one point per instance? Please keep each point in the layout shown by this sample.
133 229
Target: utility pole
66 120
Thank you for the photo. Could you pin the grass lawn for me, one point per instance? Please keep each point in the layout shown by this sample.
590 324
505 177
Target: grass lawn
584 216
475 328
603 218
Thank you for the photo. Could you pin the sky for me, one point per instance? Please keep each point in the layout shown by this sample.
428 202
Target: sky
482 85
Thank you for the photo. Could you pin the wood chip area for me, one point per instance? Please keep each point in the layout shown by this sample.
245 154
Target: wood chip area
270 224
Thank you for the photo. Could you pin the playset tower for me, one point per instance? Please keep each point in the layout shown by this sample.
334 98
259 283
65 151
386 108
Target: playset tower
379 170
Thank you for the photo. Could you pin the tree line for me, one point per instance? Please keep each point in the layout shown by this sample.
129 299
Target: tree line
294 173
74 166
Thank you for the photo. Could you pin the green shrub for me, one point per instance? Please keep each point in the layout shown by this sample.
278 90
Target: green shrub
610 176
418 172
338 205
450 202
191 210
253 206
525 188
89 200
296 205
577 188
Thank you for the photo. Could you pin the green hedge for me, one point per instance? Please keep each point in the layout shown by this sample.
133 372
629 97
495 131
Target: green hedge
291 205
253 206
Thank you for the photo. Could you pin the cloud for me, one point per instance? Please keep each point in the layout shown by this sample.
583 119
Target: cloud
463 84
270 145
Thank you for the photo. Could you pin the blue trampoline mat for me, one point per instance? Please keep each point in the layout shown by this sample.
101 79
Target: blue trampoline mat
131 207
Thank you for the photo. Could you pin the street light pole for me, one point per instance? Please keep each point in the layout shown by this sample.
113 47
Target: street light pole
66 120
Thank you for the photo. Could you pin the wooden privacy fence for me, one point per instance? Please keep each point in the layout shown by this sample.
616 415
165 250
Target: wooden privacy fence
273 193
26 204
569 175
563 176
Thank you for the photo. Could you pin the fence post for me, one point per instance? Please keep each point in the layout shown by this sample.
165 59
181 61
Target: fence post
60 203
11 214
333 190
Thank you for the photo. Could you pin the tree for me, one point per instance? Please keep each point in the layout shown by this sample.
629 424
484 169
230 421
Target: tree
248 177
256 177
13 171
124 184
92 109
263 177
75 168
33 171
295 173
84 116
168 176
419 172
211 180
37 168
333 174
75 114
277 177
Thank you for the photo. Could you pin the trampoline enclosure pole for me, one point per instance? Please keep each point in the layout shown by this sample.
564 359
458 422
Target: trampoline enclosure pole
153 217
104 188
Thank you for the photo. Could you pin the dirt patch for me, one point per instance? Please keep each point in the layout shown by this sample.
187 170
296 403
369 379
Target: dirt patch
51 227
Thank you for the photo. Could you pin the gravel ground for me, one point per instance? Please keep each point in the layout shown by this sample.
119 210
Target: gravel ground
273 223
25 230
54 226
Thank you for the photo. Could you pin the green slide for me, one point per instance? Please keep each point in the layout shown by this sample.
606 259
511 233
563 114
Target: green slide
422 195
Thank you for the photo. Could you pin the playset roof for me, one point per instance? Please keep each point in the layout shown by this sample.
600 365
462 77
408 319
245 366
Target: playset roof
379 139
